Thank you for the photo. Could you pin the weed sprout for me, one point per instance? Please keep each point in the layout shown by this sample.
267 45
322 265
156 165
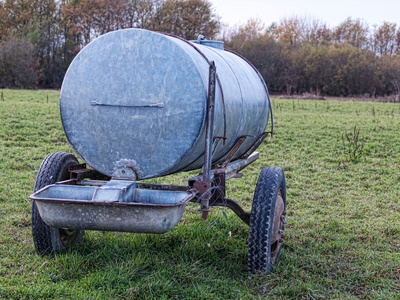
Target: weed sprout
353 144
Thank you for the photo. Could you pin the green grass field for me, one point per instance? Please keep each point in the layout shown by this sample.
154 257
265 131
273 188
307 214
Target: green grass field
342 236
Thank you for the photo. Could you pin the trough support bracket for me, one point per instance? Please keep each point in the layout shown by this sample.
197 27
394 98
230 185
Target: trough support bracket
235 207
81 171
115 190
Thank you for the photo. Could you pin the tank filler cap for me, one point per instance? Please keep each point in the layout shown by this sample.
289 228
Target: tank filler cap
210 43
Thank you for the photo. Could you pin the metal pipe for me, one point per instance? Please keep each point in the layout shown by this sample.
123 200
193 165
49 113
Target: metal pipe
210 123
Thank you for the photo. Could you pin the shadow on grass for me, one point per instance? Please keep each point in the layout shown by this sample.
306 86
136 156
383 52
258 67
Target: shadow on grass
216 247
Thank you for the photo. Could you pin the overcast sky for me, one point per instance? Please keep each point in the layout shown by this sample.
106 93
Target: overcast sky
330 12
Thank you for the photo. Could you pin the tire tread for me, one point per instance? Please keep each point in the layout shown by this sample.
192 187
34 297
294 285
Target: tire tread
269 182
53 168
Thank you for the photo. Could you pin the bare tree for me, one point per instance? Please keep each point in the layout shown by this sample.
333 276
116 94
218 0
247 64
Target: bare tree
238 36
290 31
187 18
354 32
384 39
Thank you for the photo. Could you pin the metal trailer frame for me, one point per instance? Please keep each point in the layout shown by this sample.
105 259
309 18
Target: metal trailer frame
90 200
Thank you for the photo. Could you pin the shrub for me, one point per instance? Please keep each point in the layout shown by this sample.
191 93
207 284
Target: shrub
18 65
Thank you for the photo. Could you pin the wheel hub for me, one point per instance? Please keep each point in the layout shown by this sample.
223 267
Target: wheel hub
67 236
279 227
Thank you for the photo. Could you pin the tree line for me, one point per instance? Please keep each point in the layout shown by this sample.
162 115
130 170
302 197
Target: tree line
39 39
300 55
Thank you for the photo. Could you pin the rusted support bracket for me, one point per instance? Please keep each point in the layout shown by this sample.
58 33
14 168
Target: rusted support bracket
233 205
81 171
256 144
234 150
231 170
204 196
210 124
204 185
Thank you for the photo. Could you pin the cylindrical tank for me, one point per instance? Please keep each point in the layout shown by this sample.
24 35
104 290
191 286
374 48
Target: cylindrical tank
140 97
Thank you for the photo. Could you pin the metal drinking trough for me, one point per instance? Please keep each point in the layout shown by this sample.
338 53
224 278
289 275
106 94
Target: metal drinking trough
137 104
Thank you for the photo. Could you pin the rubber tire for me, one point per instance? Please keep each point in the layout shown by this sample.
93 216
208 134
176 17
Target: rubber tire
270 181
47 239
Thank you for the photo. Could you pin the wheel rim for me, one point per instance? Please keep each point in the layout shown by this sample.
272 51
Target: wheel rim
67 236
279 226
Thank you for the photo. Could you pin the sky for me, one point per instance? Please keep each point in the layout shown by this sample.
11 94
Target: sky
332 13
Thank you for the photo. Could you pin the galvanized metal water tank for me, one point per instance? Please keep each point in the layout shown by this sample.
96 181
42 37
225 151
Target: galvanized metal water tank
138 97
